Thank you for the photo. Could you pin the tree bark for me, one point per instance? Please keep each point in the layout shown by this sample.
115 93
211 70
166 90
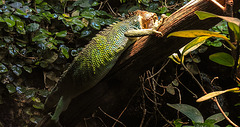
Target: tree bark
113 93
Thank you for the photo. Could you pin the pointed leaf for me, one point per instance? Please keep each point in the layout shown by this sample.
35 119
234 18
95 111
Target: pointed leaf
222 58
217 117
216 93
197 33
190 111
194 44
9 22
61 33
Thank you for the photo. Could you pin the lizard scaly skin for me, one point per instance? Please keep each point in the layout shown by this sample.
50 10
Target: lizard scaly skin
94 62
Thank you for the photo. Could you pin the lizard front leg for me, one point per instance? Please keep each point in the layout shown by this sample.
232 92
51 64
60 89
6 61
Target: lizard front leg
144 32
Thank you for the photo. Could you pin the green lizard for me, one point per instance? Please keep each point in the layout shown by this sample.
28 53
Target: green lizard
98 57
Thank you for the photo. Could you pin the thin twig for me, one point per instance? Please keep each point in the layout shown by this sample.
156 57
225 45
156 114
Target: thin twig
220 108
111 116
126 107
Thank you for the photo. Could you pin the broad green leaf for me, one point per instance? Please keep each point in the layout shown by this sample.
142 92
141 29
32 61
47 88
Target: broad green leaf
36 18
235 29
64 51
163 10
216 93
3 68
40 37
20 12
95 24
11 88
32 27
194 44
234 23
204 15
222 58
190 111
78 22
61 33
9 22
88 14
16 70
217 117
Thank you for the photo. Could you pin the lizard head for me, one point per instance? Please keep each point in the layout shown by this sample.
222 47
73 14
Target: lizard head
147 19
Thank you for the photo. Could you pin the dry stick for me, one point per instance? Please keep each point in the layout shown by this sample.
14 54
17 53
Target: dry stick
220 108
111 116
144 106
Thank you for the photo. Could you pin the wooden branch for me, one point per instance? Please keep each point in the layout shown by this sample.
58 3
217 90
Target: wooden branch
115 90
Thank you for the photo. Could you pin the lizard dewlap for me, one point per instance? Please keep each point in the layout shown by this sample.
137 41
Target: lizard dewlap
94 62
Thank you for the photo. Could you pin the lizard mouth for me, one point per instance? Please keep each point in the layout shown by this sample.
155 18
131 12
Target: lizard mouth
147 19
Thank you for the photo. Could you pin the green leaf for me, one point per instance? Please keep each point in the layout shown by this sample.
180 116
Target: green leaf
190 111
163 10
85 33
16 70
222 58
61 33
95 24
217 117
20 12
88 14
194 44
32 27
9 22
38 1
11 88
78 22
30 93
234 23
20 27
38 105
3 68
36 18
27 69
40 37
2 20
64 51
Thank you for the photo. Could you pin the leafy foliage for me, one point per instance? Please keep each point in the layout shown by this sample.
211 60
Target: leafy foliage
39 34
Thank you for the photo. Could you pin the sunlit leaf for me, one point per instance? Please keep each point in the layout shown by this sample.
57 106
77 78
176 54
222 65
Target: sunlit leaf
27 69
38 105
190 111
20 12
234 23
197 33
194 44
215 93
222 58
9 22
